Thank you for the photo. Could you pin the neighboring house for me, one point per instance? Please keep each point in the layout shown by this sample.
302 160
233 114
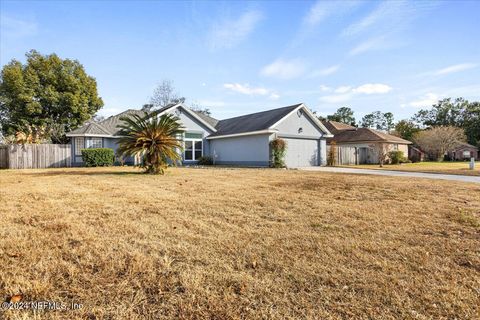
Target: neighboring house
361 143
464 151
415 154
243 140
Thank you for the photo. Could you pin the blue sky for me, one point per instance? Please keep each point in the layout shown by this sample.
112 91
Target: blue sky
241 57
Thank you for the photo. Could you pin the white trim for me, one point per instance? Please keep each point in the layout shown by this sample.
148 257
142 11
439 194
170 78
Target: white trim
175 105
286 116
327 134
193 140
250 133
90 135
296 136
193 114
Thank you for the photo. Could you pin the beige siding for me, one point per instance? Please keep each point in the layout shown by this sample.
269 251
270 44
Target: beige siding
362 153
404 148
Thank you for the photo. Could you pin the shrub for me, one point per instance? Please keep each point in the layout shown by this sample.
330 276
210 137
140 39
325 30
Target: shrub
205 161
98 157
397 157
279 147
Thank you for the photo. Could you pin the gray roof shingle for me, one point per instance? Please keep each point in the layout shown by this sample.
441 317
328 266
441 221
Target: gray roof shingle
247 123
211 121
92 128
110 124
252 122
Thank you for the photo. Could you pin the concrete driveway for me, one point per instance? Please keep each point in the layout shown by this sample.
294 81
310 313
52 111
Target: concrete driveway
395 173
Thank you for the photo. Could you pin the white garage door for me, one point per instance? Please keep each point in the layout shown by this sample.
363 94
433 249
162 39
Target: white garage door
301 153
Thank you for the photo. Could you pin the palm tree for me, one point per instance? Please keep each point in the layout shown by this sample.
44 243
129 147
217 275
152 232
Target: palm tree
155 138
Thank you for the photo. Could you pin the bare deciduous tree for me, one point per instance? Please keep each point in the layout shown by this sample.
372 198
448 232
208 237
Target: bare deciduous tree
199 108
439 140
381 150
332 154
163 95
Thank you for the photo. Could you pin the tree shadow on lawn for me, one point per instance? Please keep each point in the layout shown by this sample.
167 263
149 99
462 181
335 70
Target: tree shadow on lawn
82 172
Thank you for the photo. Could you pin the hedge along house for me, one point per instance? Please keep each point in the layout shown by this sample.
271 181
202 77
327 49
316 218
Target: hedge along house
243 141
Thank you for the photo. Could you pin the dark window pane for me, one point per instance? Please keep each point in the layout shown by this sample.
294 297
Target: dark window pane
198 145
188 145
188 155
198 154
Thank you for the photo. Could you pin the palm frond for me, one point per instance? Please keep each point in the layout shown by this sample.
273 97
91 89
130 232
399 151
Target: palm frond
156 138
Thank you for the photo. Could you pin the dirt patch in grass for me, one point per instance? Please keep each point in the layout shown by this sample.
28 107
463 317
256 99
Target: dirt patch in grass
239 244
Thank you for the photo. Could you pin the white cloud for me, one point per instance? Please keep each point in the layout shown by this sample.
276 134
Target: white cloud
455 68
325 72
345 93
231 32
284 69
384 12
389 15
274 96
251 91
368 45
382 28
13 27
318 12
343 89
325 88
246 89
372 88
322 10
426 101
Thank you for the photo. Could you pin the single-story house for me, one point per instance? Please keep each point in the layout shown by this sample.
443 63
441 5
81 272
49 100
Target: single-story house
464 151
415 154
362 142
243 140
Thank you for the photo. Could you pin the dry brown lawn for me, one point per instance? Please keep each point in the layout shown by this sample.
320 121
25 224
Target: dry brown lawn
239 244
458 168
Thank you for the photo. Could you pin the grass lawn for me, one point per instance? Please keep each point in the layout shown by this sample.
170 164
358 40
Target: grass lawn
239 244
459 168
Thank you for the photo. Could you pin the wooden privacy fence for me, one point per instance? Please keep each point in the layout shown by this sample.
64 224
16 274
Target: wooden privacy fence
353 155
35 156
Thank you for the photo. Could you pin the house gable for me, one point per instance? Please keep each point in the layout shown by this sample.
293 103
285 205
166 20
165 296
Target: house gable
301 122
190 120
